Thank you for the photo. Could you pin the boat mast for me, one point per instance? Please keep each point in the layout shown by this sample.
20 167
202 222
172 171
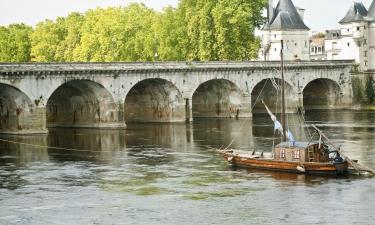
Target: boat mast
283 120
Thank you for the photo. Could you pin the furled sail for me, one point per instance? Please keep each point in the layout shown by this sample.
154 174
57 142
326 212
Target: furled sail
278 125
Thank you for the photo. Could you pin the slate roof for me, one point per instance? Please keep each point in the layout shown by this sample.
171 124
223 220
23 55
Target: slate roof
332 34
356 13
286 17
371 12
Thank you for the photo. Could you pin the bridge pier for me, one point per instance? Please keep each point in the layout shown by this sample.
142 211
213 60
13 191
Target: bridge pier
21 121
189 110
245 109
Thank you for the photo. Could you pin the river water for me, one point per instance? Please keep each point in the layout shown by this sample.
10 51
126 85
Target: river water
169 174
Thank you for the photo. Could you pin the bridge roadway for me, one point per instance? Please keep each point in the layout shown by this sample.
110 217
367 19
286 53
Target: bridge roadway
36 96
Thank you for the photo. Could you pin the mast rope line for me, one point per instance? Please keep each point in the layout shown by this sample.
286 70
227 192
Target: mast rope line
252 108
44 146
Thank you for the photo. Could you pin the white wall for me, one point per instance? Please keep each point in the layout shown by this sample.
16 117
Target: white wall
296 45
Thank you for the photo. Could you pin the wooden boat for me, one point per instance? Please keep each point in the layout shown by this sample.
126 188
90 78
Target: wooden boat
299 158
320 157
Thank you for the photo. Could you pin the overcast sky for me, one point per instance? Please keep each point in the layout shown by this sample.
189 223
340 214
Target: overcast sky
320 14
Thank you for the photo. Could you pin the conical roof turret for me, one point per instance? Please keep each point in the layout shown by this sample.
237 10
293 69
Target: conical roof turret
286 17
356 13
371 12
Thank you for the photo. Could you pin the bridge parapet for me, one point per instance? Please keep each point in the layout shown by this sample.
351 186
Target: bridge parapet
35 68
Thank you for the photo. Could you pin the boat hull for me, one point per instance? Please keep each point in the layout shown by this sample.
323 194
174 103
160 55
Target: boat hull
286 166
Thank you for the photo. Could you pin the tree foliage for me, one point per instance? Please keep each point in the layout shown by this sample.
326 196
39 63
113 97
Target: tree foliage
370 91
198 30
15 43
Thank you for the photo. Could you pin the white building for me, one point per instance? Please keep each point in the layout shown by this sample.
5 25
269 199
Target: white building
356 37
285 22
317 47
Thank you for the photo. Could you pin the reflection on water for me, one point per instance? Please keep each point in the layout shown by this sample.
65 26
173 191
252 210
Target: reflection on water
169 174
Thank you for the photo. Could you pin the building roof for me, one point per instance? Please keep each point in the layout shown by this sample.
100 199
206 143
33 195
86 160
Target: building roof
356 13
371 12
332 34
286 17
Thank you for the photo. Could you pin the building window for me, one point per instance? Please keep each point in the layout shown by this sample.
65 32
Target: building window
348 30
305 44
296 154
348 44
365 63
312 49
319 49
358 28
365 42
295 44
282 153
275 36
365 53
275 50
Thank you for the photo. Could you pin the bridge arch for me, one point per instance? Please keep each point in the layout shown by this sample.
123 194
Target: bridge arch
81 103
321 93
17 111
220 98
154 100
269 90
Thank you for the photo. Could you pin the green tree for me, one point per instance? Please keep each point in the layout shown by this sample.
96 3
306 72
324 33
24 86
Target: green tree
46 38
235 23
171 33
71 37
15 45
198 30
118 34
221 29
370 92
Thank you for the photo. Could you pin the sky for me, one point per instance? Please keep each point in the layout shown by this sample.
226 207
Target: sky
320 14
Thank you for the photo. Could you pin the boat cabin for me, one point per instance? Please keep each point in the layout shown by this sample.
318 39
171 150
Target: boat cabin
301 152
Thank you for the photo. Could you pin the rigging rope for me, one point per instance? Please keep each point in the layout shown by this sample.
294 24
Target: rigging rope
43 146
252 108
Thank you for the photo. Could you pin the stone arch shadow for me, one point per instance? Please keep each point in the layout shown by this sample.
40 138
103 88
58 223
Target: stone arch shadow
154 100
269 90
321 93
18 114
82 104
220 98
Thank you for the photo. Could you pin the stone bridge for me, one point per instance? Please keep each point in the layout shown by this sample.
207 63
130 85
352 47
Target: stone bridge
106 95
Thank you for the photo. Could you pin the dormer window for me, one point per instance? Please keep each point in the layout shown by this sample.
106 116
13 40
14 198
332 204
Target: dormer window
296 154
282 153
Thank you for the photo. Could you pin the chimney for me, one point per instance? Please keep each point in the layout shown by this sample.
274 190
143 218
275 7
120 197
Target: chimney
301 13
270 10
